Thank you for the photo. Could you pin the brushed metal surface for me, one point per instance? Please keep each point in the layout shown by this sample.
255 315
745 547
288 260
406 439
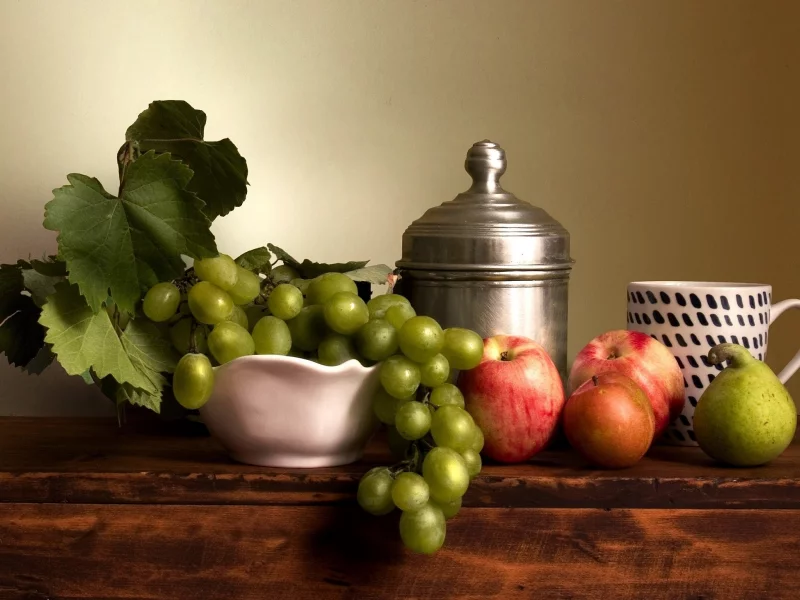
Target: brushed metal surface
534 308
490 262
485 227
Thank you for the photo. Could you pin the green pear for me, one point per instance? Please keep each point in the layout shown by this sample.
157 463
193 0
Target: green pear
746 417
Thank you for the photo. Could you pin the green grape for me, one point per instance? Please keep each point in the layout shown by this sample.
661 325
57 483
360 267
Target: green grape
336 349
209 304
420 339
183 307
452 427
463 348
248 286
423 530
413 420
449 509
180 333
446 474
399 376
386 405
298 354
161 302
345 313
446 394
477 439
239 317
377 340
398 445
301 284
254 313
323 287
434 372
220 270
285 301
228 341
410 492
473 461
380 304
375 491
283 274
308 328
272 336
193 381
398 314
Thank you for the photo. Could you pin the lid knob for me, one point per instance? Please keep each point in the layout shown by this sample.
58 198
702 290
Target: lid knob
485 163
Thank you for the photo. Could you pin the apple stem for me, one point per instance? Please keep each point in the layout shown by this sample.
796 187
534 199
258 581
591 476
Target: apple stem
595 381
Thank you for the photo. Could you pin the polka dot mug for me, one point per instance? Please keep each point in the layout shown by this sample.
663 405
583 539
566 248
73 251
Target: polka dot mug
691 317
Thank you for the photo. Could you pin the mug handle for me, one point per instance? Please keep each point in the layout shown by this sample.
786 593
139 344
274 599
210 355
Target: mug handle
776 311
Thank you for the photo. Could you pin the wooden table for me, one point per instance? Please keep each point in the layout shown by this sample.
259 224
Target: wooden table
91 511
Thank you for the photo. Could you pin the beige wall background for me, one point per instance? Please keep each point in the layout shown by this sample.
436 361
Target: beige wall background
665 135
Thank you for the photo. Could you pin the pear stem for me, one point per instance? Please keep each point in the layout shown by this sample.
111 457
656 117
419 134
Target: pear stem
738 355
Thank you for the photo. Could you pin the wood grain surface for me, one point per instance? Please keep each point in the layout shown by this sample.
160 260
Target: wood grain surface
91 461
296 553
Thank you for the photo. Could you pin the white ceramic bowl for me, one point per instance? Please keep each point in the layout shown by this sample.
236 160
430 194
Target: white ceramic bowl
281 411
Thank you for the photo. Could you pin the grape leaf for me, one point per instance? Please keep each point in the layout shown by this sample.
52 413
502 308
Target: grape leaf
377 274
51 266
284 256
130 243
122 393
149 349
42 359
87 377
257 260
309 269
220 172
21 336
82 339
11 286
39 286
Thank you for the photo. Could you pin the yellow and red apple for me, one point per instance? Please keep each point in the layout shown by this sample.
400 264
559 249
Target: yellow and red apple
645 360
515 395
609 420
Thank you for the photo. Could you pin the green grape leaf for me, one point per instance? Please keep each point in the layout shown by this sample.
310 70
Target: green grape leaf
309 269
130 243
39 286
83 339
220 172
257 260
377 274
87 377
44 357
21 336
149 347
124 393
283 256
11 287
50 266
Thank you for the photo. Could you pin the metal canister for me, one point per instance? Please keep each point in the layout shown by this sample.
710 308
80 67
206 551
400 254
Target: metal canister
490 262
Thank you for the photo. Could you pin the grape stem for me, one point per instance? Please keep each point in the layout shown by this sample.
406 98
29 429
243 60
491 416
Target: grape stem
193 337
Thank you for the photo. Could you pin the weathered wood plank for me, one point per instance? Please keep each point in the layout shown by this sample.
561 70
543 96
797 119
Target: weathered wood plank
94 461
256 552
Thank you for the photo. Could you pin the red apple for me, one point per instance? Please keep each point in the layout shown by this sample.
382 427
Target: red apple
645 360
609 421
515 396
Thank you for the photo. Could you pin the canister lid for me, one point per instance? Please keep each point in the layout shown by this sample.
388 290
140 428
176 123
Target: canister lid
486 227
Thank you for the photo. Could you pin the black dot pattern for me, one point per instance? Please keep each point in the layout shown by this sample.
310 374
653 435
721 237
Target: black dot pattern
713 317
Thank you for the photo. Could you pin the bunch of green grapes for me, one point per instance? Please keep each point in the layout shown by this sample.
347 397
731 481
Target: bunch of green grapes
207 322
229 312
428 424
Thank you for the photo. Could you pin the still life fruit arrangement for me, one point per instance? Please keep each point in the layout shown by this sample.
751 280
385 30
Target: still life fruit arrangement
140 302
